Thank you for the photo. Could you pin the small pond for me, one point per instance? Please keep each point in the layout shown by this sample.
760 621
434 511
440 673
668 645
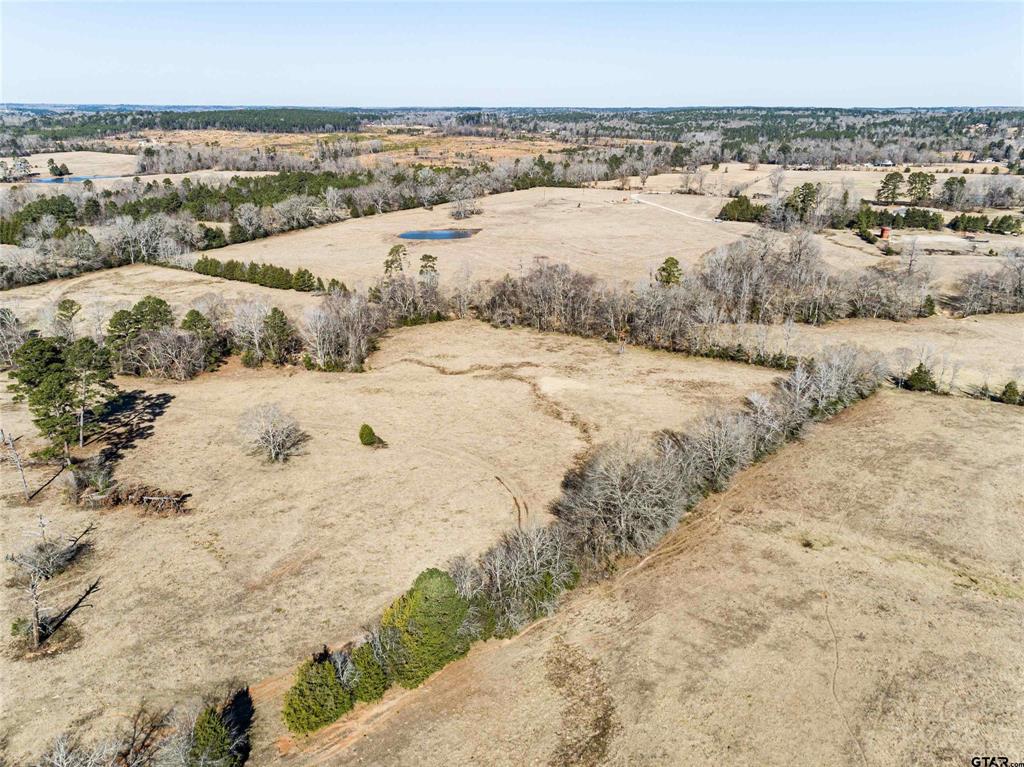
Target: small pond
66 179
438 234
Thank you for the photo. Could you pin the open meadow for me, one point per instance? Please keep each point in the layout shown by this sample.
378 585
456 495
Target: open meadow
83 163
272 559
104 292
598 231
853 600
401 143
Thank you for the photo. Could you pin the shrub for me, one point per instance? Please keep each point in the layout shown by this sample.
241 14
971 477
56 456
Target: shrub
1010 395
212 741
928 306
371 678
271 433
742 209
426 620
251 358
920 379
21 627
367 436
316 699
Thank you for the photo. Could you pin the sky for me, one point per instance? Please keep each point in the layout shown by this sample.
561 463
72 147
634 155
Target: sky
514 54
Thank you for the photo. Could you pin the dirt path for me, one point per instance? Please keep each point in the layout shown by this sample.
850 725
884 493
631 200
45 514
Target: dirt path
673 210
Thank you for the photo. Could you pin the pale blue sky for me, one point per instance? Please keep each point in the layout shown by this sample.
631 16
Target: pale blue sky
493 54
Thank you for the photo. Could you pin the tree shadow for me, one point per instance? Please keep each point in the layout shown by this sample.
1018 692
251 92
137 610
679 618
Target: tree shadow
128 420
237 716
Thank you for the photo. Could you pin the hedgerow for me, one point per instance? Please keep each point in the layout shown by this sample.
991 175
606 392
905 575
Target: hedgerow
620 501
426 621
316 699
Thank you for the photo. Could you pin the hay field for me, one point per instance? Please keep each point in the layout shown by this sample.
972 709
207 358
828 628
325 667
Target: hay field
273 560
598 231
856 599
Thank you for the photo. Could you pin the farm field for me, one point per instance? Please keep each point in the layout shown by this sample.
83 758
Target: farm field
465 429
984 348
598 231
272 559
852 600
946 256
115 183
619 237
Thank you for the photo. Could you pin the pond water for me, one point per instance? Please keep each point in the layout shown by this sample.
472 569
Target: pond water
65 179
438 234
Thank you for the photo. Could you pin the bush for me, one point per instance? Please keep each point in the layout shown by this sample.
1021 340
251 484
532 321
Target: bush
367 436
212 741
920 379
316 699
21 627
271 433
928 306
1011 394
742 209
426 621
371 680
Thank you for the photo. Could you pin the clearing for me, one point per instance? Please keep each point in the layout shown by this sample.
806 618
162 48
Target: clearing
986 348
403 144
82 164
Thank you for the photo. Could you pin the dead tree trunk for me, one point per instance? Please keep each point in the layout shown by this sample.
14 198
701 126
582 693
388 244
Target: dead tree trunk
9 441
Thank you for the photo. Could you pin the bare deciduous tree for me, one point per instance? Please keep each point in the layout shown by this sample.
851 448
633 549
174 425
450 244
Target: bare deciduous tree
272 433
623 499
248 326
12 335
46 557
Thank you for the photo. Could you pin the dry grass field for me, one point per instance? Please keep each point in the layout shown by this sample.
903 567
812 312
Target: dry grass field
856 599
617 236
272 560
84 163
403 144
599 231
946 256
862 182
104 292
984 348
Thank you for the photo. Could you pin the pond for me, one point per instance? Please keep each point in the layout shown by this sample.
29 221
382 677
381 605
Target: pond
66 179
438 234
